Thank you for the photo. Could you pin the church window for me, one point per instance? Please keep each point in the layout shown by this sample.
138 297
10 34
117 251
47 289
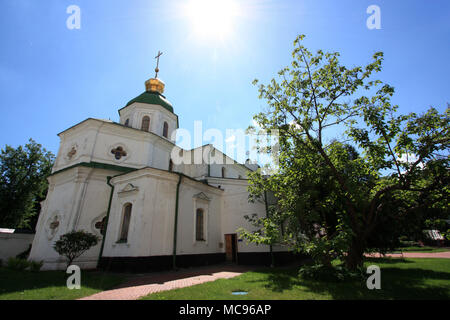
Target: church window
170 165
127 122
125 222
118 153
145 123
223 172
199 219
165 130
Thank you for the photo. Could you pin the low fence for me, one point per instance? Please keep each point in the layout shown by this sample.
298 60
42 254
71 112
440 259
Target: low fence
12 244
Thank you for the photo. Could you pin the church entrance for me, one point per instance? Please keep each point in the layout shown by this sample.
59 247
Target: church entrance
231 247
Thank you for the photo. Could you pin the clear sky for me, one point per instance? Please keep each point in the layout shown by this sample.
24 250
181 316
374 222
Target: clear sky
52 77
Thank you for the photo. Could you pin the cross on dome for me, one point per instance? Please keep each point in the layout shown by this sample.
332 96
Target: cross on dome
157 63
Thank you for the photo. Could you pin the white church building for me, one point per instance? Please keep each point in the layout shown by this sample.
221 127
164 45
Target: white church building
119 181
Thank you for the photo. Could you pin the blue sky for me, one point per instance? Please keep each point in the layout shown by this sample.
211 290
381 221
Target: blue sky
52 78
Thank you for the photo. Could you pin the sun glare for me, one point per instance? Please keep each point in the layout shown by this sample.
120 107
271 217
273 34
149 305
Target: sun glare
212 18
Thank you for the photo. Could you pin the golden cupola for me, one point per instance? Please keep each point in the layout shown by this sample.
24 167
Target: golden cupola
155 85
153 94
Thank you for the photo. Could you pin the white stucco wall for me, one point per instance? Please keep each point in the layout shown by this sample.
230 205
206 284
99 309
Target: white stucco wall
77 198
12 244
157 114
94 139
152 194
235 207
193 196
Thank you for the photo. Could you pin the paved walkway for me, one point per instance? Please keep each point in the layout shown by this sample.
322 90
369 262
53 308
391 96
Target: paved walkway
145 284
445 254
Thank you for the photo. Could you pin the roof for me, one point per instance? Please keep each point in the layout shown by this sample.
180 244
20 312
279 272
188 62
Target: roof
152 97
116 124
204 182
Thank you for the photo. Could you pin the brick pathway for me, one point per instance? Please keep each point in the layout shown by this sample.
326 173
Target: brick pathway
445 254
142 285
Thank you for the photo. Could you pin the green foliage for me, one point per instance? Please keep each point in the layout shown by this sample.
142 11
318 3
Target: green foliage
35 266
22 182
320 272
20 264
17 264
436 224
338 197
73 244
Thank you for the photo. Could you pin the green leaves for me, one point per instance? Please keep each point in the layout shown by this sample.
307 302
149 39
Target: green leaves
24 171
73 244
343 185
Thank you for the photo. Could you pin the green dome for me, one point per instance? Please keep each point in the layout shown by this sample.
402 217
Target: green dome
152 97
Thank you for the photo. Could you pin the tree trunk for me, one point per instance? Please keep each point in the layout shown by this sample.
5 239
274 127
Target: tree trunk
355 256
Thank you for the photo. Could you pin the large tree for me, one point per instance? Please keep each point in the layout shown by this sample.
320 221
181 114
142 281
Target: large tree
23 183
319 106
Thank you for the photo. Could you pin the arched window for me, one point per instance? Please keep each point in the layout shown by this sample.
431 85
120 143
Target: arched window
170 165
199 225
145 123
223 172
127 122
165 130
125 222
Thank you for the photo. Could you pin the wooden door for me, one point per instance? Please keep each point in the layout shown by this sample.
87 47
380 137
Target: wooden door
230 247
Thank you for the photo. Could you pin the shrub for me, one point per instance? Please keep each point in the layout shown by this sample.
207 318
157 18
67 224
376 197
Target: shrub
17 264
73 244
35 266
320 272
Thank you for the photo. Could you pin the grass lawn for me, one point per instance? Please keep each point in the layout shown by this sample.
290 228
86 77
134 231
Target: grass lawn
421 249
400 279
51 285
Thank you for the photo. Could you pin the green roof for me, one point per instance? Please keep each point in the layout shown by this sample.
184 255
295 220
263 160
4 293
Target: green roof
152 97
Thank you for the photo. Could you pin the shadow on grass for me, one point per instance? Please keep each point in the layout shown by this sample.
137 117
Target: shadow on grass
13 281
396 283
388 260
278 279
279 282
403 282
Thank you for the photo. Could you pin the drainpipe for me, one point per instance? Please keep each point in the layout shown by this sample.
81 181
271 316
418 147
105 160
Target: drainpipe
209 162
175 226
270 246
108 179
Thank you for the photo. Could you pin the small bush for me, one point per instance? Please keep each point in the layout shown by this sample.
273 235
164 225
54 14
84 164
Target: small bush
35 266
321 272
17 264
73 244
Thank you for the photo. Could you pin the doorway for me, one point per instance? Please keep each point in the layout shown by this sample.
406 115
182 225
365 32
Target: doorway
231 247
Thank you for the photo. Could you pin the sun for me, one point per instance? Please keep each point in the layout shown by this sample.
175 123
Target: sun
212 18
